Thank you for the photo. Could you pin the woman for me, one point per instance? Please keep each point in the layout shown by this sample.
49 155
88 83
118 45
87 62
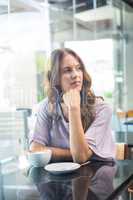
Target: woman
72 122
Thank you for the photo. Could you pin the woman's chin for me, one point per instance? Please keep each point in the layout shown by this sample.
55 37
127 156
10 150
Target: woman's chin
78 88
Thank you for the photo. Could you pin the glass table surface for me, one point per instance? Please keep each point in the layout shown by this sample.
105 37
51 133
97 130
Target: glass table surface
96 180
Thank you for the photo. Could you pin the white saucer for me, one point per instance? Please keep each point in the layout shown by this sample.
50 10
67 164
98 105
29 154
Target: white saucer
62 168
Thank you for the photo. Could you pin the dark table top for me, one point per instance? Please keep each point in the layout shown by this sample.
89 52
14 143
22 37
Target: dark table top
129 122
94 181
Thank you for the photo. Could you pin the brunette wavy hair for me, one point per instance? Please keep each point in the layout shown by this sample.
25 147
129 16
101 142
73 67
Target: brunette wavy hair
55 92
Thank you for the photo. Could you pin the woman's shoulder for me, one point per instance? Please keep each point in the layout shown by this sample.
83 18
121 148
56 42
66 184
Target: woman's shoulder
43 102
41 106
102 106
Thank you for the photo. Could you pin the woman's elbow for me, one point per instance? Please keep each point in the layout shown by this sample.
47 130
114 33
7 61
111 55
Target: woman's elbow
81 157
34 146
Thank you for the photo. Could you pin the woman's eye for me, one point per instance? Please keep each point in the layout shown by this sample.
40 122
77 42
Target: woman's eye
79 68
67 70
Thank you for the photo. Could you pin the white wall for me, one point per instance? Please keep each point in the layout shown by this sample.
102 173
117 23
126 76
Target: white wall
128 25
25 33
25 79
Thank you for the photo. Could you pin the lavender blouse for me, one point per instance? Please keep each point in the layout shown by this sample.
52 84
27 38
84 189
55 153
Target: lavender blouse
55 132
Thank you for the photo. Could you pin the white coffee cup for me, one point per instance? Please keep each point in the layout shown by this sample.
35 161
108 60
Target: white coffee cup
40 158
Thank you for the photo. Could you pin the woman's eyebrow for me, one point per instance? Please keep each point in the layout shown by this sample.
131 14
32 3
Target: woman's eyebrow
68 66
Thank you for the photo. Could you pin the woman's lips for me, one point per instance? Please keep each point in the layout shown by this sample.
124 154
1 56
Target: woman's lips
75 84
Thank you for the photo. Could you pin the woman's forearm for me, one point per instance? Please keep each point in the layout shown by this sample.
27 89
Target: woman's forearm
58 154
79 148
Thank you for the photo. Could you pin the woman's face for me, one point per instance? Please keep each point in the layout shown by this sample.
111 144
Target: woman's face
71 74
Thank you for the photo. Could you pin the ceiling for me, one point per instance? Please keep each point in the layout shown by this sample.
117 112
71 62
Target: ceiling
24 5
20 5
129 2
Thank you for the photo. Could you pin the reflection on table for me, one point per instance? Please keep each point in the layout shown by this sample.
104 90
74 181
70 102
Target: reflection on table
89 184
97 180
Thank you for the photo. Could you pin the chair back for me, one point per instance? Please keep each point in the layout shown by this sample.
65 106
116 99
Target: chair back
130 190
13 133
125 118
129 114
124 151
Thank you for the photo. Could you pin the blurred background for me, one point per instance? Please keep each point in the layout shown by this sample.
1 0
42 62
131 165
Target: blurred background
100 31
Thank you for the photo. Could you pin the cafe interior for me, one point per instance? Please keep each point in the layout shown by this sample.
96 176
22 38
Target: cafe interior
101 32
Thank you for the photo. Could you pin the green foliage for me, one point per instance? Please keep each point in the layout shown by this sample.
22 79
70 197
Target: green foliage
42 66
40 62
41 95
108 94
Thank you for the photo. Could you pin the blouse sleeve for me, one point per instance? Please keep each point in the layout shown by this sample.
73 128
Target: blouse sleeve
40 133
99 134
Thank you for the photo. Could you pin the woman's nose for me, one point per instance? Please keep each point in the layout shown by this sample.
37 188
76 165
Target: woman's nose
74 73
